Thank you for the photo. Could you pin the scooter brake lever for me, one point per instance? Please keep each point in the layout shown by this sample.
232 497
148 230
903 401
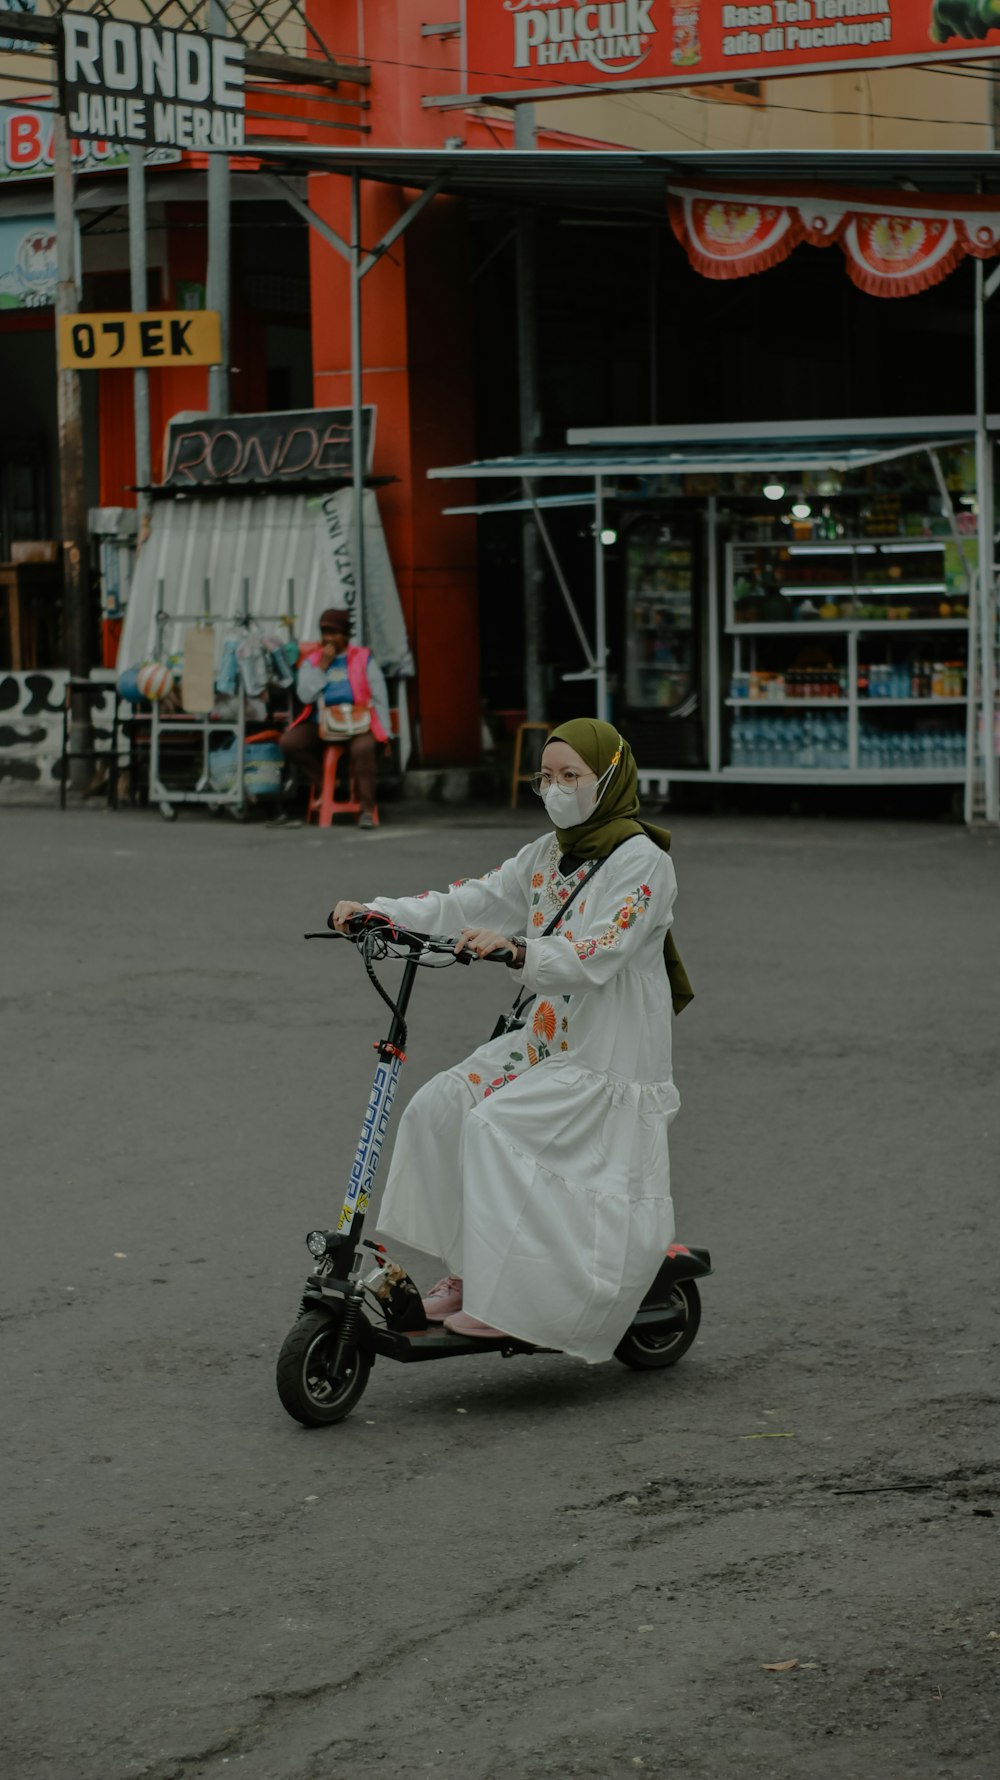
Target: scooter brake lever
474 958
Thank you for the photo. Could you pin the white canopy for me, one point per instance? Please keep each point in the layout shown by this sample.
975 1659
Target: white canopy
277 556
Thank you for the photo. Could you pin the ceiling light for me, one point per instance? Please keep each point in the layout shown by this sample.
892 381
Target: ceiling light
800 509
773 491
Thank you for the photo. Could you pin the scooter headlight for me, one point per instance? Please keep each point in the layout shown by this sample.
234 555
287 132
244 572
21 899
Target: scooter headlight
316 1243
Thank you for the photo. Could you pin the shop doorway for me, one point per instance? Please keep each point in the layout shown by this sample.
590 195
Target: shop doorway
29 439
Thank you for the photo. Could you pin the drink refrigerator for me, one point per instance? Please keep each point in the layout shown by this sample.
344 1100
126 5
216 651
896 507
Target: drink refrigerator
661 681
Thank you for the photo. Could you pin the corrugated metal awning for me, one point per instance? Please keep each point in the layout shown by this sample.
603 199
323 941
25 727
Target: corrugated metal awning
613 181
696 454
283 556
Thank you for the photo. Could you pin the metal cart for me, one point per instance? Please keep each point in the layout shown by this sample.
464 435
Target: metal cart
233 798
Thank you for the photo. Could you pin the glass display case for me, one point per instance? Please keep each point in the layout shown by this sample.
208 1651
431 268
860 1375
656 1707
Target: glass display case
660 629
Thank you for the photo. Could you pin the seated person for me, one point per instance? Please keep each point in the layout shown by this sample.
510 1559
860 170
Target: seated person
339 673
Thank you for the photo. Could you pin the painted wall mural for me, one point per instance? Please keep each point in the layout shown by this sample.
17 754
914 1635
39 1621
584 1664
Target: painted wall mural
31 707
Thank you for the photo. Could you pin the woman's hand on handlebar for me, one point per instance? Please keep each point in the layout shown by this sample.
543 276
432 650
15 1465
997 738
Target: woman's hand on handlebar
482 941
344 913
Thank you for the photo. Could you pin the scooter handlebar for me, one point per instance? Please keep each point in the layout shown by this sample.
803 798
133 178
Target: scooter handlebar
358 925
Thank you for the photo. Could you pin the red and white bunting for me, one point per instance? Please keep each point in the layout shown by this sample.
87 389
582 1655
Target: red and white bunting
892 247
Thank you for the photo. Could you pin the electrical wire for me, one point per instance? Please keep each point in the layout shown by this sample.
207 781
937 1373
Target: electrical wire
696 99
896 117
677 92
632 102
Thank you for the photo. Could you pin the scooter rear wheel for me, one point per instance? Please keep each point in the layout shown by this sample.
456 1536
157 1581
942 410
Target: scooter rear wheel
647 1350
305 1385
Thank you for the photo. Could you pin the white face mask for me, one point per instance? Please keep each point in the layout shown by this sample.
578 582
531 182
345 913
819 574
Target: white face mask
563 807
568 809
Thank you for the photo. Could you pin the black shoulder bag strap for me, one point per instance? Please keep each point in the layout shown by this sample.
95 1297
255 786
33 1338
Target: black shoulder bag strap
512 1022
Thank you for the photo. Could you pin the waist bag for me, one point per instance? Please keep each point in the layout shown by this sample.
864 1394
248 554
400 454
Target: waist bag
513 1022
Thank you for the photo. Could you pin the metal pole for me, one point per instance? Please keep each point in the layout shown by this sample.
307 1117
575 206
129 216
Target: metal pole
524 127
534 689
654 316
77 613
714 701
557 570
971 655
600 616
357 413
140 297
987 575
219 196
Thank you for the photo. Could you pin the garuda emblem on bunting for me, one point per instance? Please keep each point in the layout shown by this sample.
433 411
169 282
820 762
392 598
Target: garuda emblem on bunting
892 248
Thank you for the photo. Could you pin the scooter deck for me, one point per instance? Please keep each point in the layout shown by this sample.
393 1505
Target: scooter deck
437 1343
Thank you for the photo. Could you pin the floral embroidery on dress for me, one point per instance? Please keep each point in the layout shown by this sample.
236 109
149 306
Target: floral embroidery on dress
509 1073
543 1026
457 885
474 1078
552 885
627 916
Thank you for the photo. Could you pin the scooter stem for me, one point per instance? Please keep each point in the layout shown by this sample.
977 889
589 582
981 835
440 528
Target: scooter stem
378 1114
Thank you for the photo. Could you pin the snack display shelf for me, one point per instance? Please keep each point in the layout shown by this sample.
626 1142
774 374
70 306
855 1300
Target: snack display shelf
832 626
841 704
912 741
867 589
796 704
821 775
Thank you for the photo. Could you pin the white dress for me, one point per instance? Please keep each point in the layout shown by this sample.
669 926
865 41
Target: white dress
538 1168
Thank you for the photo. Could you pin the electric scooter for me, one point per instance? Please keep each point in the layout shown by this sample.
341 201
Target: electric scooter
358 1305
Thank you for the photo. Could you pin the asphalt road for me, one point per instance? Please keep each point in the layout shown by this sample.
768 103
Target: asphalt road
496 1569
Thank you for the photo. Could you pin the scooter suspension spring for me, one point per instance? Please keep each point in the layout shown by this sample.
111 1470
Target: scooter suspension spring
345 1338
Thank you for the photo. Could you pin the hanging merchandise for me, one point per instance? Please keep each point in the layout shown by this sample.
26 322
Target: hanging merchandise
198 674
154 680
227 676
278 664
128 686
252 664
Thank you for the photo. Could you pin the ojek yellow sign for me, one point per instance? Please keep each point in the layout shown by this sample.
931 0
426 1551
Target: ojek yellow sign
104 342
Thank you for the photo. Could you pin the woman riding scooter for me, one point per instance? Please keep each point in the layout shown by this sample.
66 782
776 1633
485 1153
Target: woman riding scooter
538 1167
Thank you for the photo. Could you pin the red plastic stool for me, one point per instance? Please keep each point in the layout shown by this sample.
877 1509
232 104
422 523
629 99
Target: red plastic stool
323 804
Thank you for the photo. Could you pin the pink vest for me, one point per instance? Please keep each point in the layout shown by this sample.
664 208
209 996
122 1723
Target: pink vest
357 673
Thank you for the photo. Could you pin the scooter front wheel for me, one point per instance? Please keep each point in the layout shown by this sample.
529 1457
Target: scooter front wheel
309 1390
647 1349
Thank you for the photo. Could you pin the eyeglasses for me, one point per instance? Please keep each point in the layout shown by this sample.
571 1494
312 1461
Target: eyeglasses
568 780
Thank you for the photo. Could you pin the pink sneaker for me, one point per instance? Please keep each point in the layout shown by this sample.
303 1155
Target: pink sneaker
443 1298
461 1323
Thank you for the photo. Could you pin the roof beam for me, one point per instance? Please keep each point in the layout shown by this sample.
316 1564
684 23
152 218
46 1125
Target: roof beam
402 222
282 189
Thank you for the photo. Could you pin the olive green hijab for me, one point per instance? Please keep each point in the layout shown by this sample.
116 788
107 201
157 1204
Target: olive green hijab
616 819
